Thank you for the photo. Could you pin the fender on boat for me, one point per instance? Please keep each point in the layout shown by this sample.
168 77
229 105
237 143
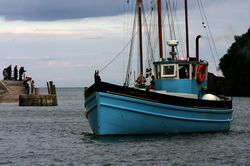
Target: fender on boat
210 97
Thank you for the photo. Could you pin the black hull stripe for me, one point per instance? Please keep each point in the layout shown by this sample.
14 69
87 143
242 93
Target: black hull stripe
156 97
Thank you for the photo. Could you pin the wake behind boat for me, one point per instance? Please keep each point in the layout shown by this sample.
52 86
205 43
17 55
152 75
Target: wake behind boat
175 101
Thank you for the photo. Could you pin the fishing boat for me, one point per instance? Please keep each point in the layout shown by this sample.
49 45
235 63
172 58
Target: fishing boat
175 101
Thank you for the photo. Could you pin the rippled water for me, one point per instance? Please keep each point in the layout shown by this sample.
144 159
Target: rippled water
62 136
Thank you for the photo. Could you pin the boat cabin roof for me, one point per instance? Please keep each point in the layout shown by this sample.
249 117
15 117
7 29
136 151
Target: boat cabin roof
179 62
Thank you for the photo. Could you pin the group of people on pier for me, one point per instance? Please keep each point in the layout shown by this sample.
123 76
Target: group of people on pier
19 75
29 85
7 73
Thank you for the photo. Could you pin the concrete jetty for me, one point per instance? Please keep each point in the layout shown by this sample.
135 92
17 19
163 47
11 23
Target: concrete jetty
10 91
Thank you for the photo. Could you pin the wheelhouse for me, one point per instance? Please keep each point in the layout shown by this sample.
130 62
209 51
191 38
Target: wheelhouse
185 77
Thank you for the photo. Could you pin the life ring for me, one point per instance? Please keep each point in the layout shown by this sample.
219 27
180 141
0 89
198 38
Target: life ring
201 73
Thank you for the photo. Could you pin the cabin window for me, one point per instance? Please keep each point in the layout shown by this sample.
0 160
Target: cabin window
168 70
184 71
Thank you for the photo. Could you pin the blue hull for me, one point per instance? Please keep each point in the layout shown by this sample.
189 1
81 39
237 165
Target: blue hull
114 114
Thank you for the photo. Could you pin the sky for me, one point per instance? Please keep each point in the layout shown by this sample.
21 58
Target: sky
66 41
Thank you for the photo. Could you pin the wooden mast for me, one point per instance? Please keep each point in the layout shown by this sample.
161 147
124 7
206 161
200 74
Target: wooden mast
160 30
187 35
139 5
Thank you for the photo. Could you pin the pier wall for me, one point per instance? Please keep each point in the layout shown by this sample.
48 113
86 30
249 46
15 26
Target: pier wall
37 100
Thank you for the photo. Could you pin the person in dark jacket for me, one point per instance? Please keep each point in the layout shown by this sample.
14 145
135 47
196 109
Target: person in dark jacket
5 74
32 86
21 72
9 70
26 85
15 72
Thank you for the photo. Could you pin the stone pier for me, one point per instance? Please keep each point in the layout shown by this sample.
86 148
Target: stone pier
10 91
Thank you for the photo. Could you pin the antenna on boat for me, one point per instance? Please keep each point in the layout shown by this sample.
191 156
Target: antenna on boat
160 29
186 22
173 44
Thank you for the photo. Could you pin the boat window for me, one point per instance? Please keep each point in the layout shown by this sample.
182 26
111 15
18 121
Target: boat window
168 70
184 71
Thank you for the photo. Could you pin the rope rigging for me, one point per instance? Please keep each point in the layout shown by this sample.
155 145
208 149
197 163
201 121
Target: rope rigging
151 35
172 15
128 74
179 32
130 43
208 32
150 52
125 46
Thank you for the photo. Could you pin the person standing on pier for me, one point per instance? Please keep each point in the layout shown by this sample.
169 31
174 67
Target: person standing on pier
32 86
26 85
15 72
9 71
5 74
21 72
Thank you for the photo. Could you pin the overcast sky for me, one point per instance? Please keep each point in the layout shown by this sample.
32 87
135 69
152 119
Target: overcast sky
65 41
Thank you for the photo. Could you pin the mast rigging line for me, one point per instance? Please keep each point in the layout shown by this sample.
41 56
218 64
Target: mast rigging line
120 52
171 7
126 83
114 58
124 48
205 20
209 29
150 53
150 48
154 42
179 33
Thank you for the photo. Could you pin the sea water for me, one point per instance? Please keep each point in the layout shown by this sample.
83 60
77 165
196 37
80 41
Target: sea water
61 136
